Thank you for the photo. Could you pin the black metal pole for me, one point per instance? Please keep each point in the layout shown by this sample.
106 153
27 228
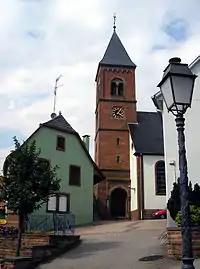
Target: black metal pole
187 253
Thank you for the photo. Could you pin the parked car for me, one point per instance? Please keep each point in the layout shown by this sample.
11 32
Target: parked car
160 214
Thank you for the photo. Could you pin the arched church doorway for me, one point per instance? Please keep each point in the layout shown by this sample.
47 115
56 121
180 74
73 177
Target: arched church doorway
118 200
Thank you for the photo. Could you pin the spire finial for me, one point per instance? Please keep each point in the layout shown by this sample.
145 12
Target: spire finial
114 24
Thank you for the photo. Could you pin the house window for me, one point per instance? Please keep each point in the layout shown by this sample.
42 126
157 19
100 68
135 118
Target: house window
160 178
117 87
117 159
59 203
74 175
52 203
62 203
60 143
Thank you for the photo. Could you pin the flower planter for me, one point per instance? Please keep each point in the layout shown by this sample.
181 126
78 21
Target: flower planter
174 242
8 231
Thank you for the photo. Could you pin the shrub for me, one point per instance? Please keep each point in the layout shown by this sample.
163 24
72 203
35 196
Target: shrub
174 202
195 199
195 216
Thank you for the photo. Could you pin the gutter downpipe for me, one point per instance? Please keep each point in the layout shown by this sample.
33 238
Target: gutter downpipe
141 187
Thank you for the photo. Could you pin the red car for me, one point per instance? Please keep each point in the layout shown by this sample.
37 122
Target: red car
160 214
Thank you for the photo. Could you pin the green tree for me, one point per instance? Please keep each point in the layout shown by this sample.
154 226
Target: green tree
174 202
28 181
195 199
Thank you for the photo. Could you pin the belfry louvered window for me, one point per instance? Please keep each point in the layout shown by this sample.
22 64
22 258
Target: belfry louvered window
117 87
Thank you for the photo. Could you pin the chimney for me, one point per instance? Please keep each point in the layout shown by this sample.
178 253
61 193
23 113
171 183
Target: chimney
86 140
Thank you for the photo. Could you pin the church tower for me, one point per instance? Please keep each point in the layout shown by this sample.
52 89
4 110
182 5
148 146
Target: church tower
115 108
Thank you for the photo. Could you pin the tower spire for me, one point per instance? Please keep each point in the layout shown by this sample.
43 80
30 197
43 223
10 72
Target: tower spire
114 24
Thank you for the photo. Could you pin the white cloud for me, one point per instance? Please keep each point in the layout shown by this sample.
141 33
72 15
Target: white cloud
42 39
88 14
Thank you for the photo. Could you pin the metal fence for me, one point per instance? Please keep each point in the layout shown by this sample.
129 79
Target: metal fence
55 223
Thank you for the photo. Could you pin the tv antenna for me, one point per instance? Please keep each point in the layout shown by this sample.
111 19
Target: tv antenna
114 23
55 92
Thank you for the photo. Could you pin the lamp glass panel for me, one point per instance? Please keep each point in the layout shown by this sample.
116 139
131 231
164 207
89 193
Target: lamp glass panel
166 90
183 89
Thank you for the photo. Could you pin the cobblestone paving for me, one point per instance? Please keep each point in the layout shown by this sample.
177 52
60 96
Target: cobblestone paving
117 250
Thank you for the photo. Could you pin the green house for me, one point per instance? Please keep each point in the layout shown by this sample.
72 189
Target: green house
61 145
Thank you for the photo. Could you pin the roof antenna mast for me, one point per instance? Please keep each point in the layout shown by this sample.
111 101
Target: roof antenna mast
55 92
114 23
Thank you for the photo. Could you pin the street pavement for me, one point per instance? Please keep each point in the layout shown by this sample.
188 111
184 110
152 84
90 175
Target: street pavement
118 245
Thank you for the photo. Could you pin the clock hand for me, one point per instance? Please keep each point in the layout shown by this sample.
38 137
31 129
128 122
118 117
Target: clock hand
121 111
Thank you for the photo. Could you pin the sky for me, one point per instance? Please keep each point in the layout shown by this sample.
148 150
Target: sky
42 39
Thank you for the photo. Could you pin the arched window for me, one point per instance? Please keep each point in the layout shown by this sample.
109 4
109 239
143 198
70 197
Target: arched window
160 182
120 89
113 88
117 87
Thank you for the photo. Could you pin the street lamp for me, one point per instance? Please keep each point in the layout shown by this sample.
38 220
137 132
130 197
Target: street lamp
177 89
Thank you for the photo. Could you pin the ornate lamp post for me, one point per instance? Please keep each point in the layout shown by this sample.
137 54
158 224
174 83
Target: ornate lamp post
177 89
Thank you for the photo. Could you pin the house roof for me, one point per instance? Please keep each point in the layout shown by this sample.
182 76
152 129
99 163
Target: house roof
116 54
158 100
147 134
195 62
59 123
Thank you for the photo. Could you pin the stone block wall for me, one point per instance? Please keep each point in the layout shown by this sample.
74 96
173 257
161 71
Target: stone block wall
35 249
8 245
174 243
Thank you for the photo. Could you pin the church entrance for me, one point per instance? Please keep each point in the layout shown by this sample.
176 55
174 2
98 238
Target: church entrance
118 200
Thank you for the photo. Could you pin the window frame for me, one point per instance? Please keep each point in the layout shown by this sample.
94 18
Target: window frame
59 148
58 195
157 190
69 181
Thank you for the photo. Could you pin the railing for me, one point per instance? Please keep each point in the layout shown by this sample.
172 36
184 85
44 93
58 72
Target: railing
55 223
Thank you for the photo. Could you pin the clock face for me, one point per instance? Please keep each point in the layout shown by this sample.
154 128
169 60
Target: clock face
118 112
